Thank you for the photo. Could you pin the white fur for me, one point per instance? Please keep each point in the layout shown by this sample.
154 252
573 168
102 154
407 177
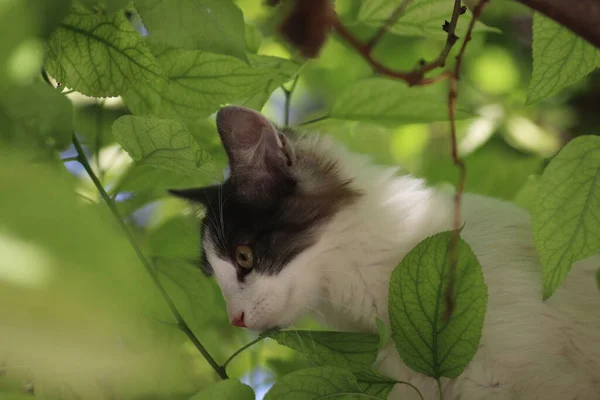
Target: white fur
529 349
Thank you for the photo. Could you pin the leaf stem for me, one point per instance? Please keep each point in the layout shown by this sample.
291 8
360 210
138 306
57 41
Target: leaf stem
412 386
312 121
82 158
288 100
241 349
69 159
439 385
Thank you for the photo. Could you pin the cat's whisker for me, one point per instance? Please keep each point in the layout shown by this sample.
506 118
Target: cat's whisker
315 310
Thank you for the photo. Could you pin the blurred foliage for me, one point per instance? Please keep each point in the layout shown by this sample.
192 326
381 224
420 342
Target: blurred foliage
79 316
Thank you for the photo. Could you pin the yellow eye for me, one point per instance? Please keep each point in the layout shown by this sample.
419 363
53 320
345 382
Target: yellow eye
244 257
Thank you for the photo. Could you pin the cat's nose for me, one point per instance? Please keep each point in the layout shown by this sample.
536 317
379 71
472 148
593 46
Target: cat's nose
239 321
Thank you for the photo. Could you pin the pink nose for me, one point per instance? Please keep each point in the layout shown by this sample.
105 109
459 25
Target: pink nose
239 321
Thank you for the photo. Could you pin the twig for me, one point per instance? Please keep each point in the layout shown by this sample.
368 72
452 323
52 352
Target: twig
82 158
388 23
314 120
69 159
252 343
288 100
460 187
415 77
92 201
451 39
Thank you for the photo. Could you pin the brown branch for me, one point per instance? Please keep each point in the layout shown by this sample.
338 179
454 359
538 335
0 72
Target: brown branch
415 77
580 16
450 40
460 187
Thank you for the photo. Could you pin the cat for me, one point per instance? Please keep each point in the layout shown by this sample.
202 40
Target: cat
302 225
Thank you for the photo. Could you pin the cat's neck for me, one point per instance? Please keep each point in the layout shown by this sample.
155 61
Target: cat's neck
362 244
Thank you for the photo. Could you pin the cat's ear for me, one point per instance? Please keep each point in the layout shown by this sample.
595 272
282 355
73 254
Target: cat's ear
260 156
202 195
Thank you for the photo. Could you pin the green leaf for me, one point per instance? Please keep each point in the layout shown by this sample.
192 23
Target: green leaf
385 100
421 18
36 114
215 26
254 38
200 82
194 295
162 144
348 350
110 6
22 24
281 367
385 335
374 384
560 58
226 390
281 71
314 383
187 245
502 182
94 122
598 278
565 221
425 341
87 293
15 396
104 56
526 196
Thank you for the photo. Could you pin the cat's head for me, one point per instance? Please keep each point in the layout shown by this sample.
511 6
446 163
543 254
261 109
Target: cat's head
262 225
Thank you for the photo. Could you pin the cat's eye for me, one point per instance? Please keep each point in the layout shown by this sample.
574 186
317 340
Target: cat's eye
244 257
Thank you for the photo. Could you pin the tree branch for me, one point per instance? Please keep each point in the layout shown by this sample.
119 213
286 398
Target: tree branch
82 158
460 187
415 77
580 16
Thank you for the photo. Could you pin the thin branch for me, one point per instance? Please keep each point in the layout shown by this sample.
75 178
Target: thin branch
412 386
92 201
410 77
460 187
241 349
390 21
415 77
314 120
288 100
149 268
69 159
451 39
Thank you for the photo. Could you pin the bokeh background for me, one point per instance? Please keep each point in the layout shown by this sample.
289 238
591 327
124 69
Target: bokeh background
78 313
